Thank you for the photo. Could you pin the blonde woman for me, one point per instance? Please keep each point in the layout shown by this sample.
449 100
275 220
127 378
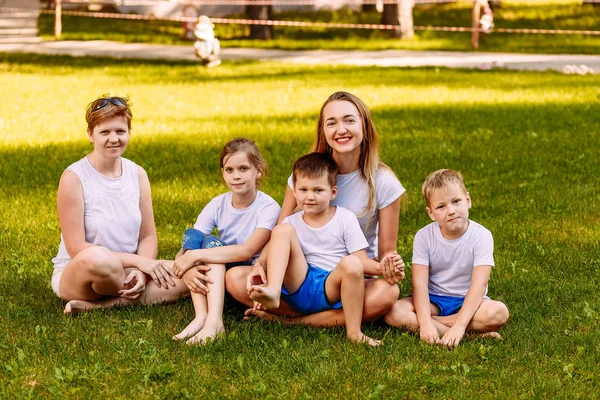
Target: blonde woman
367 187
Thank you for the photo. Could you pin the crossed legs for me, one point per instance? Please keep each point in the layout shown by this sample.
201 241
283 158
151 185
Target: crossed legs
94 277
489 317
286 265
379 298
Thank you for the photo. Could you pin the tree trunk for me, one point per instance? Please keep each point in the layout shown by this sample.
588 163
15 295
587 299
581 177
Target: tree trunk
261 32
400 14
390 17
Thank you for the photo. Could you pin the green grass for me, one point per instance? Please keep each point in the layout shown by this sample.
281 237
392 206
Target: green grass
546 14
526 142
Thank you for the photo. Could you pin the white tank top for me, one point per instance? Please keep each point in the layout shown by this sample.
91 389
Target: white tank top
112 216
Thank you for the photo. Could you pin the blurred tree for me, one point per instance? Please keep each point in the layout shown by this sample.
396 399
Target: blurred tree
401 14
366 7
261 32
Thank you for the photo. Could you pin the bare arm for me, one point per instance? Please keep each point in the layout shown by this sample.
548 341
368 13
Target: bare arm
148 240
222 255
233 253
387 233
370 266
391 266
420 283
70 213
388 240
479 281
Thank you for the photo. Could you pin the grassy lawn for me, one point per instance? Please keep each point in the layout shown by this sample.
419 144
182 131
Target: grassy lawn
526 142
543 14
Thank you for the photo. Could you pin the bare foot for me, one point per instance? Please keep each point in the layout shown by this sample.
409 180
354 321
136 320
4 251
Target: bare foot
490 335
79 306
193 327
252 312
364 339
266 296
208 333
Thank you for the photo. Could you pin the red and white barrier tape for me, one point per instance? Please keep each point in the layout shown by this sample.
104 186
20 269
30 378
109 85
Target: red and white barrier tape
247 2
307 24
280 2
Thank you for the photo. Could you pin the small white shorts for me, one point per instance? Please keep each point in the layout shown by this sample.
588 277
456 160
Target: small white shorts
56 279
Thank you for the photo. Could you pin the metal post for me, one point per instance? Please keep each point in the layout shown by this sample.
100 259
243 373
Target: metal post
58 19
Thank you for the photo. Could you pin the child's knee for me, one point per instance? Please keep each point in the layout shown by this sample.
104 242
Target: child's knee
496 314
235 279
386 291
399 315
283 230
351 267
502 314
393 318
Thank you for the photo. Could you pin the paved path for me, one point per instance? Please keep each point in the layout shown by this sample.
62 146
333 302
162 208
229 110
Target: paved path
386 58
20 26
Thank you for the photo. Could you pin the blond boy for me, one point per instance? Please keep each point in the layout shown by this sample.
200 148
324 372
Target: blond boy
452 261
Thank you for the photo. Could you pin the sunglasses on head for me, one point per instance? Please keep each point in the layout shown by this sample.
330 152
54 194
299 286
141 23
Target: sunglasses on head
101 103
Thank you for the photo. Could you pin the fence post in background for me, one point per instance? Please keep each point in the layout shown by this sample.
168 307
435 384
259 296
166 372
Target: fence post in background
58 19
475 25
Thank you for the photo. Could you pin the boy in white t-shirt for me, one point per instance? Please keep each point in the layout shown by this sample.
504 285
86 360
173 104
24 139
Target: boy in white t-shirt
452 261
316 258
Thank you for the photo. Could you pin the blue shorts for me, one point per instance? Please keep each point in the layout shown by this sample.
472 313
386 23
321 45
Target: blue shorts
448 305
310 297
193 239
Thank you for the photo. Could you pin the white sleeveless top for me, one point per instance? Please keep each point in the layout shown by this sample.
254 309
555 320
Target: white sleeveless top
112 216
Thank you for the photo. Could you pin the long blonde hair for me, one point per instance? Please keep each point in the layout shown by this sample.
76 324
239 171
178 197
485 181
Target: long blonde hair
368 160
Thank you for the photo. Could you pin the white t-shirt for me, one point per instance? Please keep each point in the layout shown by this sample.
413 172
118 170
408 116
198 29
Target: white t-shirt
324 247
353 194
451 262
235 226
